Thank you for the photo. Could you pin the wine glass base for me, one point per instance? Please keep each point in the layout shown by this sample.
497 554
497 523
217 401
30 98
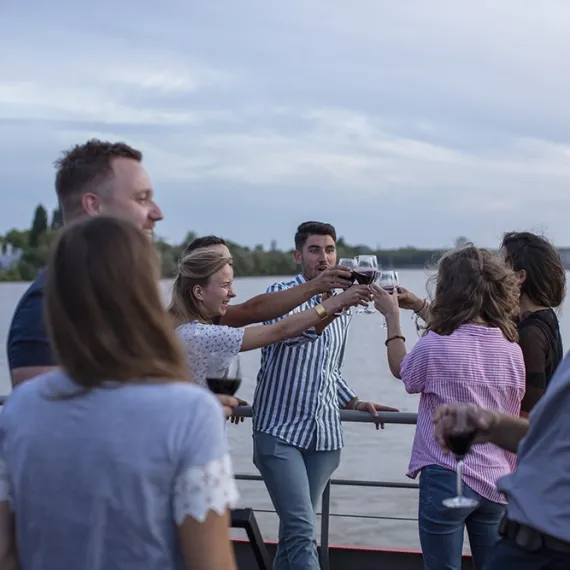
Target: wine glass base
460 503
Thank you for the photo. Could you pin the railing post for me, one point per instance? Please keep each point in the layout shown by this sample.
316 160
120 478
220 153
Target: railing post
325 514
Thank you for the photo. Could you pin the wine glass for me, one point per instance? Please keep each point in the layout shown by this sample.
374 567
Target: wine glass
459 443
349 263
388 280
365 273
224 380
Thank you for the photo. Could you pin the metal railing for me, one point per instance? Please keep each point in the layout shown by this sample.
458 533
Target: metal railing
401 418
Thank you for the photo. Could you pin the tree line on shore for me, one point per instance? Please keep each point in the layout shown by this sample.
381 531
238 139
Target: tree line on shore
34 245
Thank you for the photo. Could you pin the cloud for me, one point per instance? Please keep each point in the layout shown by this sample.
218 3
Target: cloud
400 122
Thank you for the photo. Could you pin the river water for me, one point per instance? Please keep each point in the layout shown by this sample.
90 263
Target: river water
368 454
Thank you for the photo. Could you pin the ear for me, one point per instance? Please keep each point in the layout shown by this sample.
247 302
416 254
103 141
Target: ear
91 204
297 256
198 292
521 276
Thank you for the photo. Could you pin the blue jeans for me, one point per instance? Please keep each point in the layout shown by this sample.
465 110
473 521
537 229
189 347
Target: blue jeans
295 479
506 555
442 529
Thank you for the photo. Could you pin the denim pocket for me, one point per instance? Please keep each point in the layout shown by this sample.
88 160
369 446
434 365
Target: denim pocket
436 484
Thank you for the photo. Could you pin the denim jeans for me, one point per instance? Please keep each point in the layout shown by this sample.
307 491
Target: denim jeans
506 555
295 479
442 529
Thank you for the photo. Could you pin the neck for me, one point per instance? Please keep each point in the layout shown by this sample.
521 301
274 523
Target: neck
527 306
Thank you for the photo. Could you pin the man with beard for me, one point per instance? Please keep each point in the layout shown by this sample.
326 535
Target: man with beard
297 432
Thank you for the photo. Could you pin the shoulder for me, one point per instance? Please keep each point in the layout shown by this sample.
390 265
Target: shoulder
27 343
190 399
209 336
30 306
23 397
283 285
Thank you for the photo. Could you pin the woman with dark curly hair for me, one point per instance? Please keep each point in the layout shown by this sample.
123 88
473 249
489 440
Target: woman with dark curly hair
542 279
468 353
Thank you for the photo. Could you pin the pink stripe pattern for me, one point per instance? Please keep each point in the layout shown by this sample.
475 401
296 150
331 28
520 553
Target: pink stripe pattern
475 364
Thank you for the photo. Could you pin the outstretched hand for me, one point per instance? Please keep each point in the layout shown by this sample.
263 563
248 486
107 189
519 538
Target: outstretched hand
385 302
337 277
408 300
355 295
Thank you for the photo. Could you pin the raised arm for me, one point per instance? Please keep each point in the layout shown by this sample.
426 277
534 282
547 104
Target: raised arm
272 305
387 304
293 325
410 301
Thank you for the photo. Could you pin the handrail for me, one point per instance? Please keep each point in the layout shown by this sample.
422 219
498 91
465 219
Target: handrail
406 418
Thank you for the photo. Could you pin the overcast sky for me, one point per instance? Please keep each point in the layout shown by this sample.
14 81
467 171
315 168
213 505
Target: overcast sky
399 121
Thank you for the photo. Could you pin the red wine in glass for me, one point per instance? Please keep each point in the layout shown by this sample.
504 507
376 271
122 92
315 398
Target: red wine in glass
222 380
364 275
459 443
226 386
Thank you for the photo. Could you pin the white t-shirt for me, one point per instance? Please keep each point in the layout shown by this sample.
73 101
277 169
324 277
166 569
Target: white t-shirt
209 347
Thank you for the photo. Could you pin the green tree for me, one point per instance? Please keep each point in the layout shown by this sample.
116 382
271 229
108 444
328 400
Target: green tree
39 225
56 219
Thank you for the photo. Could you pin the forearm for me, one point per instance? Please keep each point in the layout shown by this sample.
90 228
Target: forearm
268 306
508 431
422 309
396 346
295 329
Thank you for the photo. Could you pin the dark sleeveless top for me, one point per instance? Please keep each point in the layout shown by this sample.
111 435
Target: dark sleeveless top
541 344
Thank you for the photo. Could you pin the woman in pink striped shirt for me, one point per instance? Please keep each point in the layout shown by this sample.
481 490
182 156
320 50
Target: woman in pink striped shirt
469 353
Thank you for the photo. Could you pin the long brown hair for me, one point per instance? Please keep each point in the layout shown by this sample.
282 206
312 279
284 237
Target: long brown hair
474 284
194 268
104 313
545 282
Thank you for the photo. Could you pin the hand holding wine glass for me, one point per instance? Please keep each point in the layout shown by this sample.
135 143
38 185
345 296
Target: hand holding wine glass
389 281
385 302
349 263
447 416
459 441
365 273
334 278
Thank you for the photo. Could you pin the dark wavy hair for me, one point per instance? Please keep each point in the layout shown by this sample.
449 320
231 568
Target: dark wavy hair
474 284
545 276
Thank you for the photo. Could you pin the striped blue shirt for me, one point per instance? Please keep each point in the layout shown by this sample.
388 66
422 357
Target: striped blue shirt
300 388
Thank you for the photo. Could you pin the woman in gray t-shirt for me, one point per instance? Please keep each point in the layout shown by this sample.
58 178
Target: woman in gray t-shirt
116 460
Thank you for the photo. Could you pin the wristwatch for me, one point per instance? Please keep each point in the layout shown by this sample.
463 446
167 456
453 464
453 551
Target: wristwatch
321 311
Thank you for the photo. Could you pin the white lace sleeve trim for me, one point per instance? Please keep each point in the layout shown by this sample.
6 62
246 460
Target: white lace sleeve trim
5 490
209 487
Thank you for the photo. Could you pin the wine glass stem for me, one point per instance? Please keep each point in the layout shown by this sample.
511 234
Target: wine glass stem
460 478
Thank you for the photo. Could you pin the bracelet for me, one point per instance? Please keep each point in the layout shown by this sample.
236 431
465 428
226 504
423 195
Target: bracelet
424 304
321 311
389 340
356 402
